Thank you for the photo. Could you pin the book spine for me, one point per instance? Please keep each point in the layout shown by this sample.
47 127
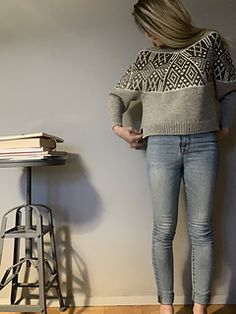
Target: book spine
26 143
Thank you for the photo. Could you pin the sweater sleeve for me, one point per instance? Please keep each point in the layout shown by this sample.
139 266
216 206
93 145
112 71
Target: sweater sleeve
125 91
225 82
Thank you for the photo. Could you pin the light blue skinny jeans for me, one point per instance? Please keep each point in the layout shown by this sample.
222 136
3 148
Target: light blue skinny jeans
195 158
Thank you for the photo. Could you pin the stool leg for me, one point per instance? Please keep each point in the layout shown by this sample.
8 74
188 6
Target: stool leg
55 264
28 226
41 269
3 228
28 246
16 255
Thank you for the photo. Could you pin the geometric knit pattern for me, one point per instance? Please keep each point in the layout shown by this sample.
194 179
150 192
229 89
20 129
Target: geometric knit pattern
157 71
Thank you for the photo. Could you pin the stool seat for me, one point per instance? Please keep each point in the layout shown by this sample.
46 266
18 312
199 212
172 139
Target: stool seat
21 231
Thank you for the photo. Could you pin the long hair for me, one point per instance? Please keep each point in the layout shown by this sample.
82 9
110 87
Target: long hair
169 21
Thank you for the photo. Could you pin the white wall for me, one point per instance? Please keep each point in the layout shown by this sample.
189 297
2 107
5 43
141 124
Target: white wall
58 60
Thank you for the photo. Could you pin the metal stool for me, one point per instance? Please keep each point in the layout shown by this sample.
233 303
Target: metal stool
32 223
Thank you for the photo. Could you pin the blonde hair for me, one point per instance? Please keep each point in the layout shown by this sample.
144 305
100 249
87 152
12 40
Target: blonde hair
169 21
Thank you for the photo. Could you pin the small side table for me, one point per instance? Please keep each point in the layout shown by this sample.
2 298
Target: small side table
32 223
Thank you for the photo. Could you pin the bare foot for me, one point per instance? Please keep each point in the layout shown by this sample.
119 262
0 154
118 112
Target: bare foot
166 309
199 309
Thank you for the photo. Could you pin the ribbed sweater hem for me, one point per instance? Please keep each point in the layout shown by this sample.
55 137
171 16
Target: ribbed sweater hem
188 127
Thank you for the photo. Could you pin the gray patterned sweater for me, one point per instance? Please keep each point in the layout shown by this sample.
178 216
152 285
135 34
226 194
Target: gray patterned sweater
179 88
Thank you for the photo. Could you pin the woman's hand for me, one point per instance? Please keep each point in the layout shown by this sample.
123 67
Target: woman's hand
222 133
131 136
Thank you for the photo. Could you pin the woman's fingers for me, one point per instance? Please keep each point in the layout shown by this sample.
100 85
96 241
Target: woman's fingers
138 143
136 131
135 139
132 136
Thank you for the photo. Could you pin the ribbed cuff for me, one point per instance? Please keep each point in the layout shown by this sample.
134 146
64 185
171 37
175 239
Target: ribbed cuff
201 298
116 121
166 298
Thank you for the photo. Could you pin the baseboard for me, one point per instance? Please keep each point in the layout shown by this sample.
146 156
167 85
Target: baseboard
126 300
146 300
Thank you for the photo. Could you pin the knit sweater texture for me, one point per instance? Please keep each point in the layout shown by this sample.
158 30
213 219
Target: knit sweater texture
179 88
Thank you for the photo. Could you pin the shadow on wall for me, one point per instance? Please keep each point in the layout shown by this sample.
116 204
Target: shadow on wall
72 284
225 219
74 203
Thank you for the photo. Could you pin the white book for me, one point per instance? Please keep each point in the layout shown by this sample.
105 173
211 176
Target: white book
27 158
31 135
23 150
30 154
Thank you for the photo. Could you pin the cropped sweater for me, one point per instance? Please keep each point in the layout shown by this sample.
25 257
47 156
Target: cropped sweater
179 88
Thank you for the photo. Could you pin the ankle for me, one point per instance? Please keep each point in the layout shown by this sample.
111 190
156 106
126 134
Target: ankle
166 309
200 308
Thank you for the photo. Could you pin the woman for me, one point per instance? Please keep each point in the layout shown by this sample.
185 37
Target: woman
179 81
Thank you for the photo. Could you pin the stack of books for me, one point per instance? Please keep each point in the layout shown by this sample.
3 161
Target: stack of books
33 146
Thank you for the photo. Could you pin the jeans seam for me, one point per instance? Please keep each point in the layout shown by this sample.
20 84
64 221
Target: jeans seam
193 273
154 260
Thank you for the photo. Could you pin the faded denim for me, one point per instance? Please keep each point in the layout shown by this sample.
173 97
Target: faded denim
195 158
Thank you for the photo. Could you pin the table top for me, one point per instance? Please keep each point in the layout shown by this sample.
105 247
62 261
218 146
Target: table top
49 161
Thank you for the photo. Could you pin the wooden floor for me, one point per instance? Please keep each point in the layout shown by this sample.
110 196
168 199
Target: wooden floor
145 309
